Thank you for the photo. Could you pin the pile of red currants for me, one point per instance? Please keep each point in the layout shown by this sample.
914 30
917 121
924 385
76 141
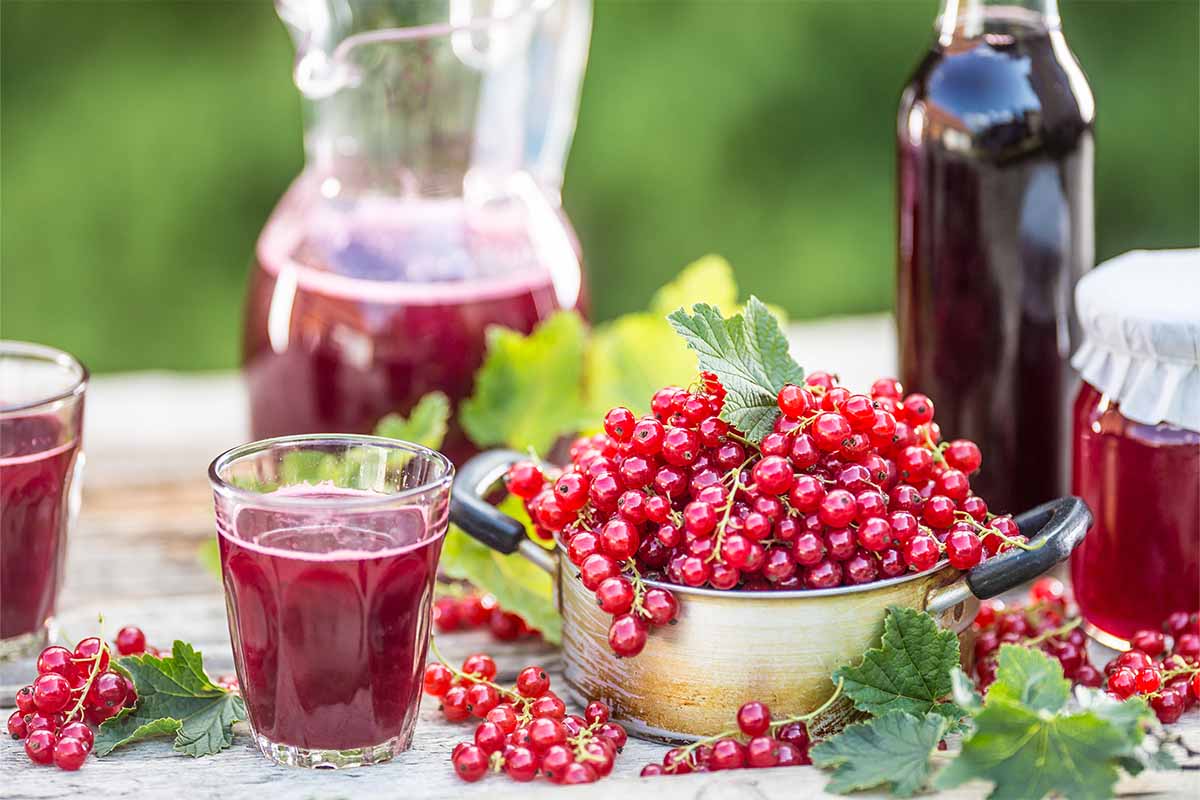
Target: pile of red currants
471 611
1163 666
847 489
525 731
73 692
768 743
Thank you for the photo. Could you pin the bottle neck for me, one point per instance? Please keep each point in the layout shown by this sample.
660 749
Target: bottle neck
971 18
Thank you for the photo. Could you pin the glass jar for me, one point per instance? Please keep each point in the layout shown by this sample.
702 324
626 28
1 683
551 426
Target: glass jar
1141 560
1136 448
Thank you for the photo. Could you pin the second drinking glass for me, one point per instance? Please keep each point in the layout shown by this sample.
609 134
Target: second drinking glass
329 550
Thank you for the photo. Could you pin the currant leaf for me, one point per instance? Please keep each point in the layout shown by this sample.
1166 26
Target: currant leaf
175 696
748 352
425 424
1029 744
518 586
909 671
529 391
892 750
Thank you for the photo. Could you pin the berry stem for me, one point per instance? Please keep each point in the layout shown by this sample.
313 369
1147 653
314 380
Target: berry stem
87 687
986 531
474 678
639 587
1054 632
816 712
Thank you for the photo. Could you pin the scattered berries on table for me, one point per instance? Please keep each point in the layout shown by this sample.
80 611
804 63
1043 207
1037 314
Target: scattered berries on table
74 691
526 732
468 610
848 489
1159 665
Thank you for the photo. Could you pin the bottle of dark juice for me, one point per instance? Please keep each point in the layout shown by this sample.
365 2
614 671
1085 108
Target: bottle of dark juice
995 148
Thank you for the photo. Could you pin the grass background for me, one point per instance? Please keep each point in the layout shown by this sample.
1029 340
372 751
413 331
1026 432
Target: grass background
143 144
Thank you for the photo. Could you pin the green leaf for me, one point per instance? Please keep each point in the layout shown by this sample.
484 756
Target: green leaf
962 689
209 555
518 585
749 354
1029 744
708 280
1026 677
426 423
175 696
529 391
891 750
909 671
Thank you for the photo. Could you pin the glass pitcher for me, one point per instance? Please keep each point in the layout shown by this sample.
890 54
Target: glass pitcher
429 208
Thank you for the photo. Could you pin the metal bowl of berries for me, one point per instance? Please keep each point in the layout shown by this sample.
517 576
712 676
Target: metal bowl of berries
691 653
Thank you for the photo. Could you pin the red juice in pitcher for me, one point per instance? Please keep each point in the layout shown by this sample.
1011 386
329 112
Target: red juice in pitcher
35 481
357 313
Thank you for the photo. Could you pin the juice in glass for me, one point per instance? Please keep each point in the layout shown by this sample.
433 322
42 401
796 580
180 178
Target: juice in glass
41 415
329 585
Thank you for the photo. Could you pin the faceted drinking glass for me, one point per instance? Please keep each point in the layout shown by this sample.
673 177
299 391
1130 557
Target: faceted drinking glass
41 426
329 548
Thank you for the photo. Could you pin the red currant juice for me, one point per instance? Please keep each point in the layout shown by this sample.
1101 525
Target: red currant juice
1141 559
357 312
995 226
36 470
330 623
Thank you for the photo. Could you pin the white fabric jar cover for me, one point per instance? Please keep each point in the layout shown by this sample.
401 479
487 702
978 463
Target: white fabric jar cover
1140 314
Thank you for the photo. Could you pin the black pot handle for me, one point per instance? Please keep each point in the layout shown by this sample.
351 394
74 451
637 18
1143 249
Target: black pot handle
475 515
1061 524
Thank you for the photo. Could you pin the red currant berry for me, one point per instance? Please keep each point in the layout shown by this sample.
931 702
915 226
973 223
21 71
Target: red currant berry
887 387
438 680
861 568
829 431
762 751
1152 643
52 693
824 574
648 436
481 698
131 641
596 713
921 552
837 508
59 660
533 682
520 764
727 754
795 401
964 455
595 569
917 409
671 481
681 447
70 753
891 563
618 423
24 700
699 519
1087 675
789 756
480 665
613 733
619 540
627 634
1168 706
571 491
524 479
859 411
470 763
1188 646
964 549
545 732
579 772
976 507
1123 683
773 475
39 746
804 453
914 464
661 606
549 706
615 595
754 718
16 725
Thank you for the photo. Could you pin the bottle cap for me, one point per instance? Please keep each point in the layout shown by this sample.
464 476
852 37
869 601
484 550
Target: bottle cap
1140 314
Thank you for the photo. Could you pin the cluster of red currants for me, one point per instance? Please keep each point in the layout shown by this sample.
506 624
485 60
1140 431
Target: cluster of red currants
1046 621
778 743
74 690
472 610
1163 666
847 489
525 731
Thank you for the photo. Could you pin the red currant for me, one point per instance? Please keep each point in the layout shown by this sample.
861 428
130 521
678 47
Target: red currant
470 763
524 479
131 641
39 746
627 635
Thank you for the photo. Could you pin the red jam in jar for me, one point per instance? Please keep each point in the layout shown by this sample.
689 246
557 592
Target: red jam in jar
1141 560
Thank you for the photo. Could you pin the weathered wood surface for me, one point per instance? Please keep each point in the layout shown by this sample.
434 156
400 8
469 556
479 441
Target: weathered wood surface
133 559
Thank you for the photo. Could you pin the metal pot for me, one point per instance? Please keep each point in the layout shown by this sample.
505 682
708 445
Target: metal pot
729 647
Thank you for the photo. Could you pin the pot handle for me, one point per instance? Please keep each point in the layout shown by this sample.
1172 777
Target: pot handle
1059 525
482 520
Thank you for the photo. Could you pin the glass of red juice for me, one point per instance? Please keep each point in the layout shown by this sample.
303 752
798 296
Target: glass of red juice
329 548
41 424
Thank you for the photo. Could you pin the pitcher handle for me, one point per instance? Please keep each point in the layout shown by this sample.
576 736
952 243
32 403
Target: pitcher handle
1060 524
484 522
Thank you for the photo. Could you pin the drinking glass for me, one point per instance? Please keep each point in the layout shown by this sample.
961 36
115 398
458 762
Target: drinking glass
329 548
41 425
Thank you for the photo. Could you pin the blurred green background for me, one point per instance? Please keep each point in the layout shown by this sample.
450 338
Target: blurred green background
144 144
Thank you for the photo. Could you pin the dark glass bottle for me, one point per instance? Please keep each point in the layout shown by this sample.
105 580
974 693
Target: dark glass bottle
995 155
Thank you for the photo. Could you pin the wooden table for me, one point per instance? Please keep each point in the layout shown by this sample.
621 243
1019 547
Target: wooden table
134 559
